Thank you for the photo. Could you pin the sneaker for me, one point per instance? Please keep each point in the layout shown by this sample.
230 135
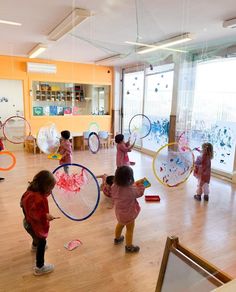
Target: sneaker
2 178
206 198
46 268
197 197
119 240
132 248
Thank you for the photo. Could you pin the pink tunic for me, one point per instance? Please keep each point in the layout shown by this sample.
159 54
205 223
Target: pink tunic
65 150
202 169
105 187
125 200
122 154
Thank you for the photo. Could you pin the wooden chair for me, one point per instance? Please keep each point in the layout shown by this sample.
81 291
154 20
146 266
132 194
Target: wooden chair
31 145
104 139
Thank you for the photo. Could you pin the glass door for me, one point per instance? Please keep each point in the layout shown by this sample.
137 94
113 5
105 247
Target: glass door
132 99
157 107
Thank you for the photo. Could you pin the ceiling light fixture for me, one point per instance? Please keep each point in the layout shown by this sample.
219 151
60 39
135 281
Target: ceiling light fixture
163 44
37 50
153 46
10 22
71 21
105 61
230 23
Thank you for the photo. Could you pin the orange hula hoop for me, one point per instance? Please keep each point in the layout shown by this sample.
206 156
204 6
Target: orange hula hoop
13 160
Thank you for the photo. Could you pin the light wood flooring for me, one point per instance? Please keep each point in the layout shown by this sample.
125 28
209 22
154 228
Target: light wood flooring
209 229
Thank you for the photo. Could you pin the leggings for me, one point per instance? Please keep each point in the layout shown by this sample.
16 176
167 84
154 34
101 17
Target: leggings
202 189
39 242
129 232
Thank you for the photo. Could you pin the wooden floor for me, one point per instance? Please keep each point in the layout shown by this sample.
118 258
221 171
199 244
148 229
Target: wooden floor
209 229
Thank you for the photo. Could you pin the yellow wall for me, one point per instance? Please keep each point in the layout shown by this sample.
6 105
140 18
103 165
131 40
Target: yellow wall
15 68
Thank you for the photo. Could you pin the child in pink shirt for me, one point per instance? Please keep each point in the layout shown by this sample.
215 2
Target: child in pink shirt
105 187
65 150
123 148
124 194
202 171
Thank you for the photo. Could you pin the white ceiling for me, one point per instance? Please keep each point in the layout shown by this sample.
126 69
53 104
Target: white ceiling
113 23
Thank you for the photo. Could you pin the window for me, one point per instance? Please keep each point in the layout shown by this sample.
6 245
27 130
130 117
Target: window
214 107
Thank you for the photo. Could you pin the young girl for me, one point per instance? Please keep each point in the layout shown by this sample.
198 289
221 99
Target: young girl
125 193
123 148
65 149
34 203
202 171
107 181
105 187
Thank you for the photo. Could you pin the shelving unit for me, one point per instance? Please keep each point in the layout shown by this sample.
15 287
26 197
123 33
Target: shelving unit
59 99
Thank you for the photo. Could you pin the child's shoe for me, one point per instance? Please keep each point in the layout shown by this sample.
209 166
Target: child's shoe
197 197
206 198
119 240
132 163
132 249
46 268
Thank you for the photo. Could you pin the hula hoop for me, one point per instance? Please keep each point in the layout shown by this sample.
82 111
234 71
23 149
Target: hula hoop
13 160
90 213
4 130
143 116
154 169
93 137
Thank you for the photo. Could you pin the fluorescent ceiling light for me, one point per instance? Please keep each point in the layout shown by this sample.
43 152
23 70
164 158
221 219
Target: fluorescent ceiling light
41 68
39 49
164 44
71 21
10 22
153 46
105 61
231 23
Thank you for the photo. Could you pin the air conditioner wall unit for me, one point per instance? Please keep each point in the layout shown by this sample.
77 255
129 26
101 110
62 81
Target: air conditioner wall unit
41 68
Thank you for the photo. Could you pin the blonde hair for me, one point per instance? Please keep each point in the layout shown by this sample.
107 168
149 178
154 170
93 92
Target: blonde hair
208 149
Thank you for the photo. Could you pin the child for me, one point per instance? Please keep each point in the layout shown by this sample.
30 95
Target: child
125 193
123 148
34 203
107 181
202 171
105 187
65 149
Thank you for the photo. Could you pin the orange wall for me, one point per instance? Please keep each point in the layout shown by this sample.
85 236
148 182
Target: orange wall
15 68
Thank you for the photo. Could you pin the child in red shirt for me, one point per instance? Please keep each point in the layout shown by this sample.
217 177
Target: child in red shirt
34 203
202 171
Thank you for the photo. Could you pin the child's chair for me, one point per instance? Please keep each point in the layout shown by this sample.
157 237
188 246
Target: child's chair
31 145
103 138
85 139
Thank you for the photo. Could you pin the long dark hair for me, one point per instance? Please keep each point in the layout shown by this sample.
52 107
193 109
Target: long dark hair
124 176
208 149
43 182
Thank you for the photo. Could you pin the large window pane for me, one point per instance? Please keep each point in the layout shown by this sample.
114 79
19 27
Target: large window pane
132 98
157 107
214 110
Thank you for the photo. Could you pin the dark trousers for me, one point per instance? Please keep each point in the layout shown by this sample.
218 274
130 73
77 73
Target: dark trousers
39 242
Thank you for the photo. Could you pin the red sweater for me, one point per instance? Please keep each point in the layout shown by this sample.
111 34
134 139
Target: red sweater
35 208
